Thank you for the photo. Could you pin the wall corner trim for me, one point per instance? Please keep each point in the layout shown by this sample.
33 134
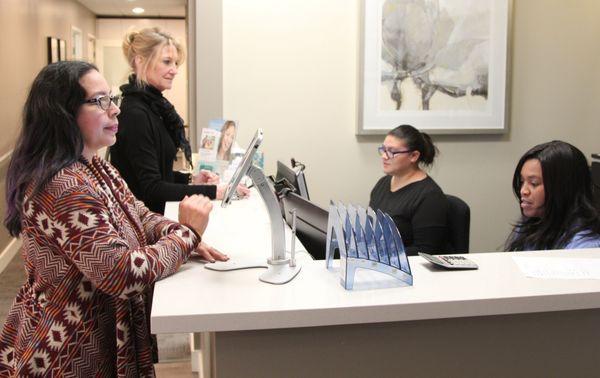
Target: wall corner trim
9 252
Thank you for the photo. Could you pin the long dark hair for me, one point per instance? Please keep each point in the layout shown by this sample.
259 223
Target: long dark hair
568 205
416 141
50 138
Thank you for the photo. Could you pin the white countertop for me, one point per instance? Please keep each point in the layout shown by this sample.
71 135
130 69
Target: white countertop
196 299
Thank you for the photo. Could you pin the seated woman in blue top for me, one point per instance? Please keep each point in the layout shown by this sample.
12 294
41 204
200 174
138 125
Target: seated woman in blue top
408 195
553 185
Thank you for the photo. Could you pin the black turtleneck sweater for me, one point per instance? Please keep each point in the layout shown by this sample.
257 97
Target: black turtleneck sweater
146 148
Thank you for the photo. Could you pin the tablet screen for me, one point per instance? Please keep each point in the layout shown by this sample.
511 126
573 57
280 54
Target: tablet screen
242 169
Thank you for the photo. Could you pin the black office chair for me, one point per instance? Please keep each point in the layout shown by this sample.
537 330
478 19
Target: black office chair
459 223
595 171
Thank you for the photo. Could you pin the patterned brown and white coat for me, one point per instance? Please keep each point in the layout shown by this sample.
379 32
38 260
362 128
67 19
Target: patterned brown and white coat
91 251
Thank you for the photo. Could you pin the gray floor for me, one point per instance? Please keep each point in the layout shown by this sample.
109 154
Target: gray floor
173 349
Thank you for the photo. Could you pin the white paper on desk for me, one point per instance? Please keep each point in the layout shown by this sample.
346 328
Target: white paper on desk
567 268
171 210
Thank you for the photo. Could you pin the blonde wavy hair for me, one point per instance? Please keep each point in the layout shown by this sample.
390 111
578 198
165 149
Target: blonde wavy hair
148 43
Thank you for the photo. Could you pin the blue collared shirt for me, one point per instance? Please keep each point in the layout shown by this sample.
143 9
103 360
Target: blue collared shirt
581 240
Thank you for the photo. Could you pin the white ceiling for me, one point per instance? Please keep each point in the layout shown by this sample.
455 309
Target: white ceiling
154 8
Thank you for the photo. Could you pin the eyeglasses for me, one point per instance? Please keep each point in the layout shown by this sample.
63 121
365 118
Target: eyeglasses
104 101
390 153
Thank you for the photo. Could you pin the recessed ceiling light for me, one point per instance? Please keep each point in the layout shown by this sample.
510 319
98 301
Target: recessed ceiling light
138 10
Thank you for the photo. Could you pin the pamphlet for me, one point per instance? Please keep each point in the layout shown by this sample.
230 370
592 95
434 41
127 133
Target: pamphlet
216 144
566 268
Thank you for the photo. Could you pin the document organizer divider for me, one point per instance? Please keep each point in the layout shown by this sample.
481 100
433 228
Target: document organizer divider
366 239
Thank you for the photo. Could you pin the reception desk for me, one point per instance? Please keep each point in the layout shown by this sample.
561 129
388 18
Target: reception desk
488 322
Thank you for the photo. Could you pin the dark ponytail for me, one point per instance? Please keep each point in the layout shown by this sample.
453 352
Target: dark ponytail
416 141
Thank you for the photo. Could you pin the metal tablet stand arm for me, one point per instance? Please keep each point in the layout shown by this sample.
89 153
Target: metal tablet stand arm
280 270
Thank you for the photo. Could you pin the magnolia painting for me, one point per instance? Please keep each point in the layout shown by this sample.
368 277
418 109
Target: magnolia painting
446 57
441 47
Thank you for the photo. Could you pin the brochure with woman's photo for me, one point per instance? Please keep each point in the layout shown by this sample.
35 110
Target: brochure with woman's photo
228 131
209 140
216 143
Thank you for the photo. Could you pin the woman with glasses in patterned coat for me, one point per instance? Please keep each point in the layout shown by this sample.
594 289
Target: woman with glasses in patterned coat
91 250
413 199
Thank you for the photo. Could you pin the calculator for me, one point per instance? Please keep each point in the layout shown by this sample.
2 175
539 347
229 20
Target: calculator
450 261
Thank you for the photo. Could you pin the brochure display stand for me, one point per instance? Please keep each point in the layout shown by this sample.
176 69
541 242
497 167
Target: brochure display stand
365 239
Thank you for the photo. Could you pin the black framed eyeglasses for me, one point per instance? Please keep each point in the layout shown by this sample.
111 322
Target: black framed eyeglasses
388 153
104 102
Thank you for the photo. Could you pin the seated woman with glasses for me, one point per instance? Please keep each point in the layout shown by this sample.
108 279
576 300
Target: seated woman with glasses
413 200
553 186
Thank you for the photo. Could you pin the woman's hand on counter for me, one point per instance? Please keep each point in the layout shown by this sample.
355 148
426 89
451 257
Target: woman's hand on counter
209 253
205 177
242 191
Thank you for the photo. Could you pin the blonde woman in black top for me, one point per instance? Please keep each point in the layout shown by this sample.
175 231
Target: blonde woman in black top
150 130
412 198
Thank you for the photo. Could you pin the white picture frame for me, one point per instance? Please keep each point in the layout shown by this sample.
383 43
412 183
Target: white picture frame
76 43
91 48
53 52
62 49
438 65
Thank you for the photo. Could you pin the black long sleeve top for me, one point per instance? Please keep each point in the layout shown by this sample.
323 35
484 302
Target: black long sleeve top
419 211
144 155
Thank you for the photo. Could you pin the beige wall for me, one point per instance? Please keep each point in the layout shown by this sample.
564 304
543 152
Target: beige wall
206 86
24 26
291 68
